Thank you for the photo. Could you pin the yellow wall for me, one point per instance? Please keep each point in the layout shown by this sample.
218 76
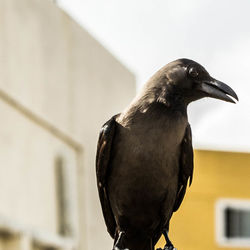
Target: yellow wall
216 175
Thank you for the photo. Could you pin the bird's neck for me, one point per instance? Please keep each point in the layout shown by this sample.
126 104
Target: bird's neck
171 98
159 103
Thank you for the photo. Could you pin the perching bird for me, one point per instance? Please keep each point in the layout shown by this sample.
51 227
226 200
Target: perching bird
145 157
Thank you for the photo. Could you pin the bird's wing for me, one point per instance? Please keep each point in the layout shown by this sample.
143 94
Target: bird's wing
185 174
104 148
186 167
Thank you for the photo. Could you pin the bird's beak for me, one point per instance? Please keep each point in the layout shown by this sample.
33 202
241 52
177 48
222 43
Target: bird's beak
219 90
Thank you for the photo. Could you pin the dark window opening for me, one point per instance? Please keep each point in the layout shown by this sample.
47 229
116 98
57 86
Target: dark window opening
63 199
237 223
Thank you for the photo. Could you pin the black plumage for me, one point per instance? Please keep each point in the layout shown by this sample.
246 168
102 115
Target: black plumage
144 157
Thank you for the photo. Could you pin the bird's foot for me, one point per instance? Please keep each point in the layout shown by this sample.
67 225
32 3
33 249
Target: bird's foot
117 248
119 242
167 248
170 247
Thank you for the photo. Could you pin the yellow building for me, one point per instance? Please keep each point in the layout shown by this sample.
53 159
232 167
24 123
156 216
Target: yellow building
215 213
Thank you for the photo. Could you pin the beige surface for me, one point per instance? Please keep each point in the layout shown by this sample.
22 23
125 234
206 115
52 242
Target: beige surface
54 68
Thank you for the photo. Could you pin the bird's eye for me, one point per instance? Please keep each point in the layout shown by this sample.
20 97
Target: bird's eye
193 72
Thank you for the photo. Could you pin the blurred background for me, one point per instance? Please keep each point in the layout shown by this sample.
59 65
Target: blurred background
67 66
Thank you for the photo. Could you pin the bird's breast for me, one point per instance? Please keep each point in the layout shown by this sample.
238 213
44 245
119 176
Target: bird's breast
146 156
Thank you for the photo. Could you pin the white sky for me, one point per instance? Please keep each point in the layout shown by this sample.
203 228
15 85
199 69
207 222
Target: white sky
146 34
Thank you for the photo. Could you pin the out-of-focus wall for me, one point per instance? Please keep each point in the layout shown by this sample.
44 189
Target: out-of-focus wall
58 85
217 175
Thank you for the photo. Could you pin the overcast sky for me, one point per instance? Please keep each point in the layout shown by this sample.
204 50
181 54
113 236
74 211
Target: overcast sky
146 34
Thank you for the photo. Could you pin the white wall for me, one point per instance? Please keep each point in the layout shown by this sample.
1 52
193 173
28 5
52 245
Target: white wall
54 68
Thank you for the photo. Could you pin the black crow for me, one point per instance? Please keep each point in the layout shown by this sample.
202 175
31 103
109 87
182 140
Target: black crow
145 157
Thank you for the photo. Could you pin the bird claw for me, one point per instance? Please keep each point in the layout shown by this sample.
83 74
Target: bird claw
116 248
169 248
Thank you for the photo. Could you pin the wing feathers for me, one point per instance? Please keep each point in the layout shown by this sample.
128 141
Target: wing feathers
104 148
186 167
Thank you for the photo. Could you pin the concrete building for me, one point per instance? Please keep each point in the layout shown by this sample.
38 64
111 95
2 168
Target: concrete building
57 86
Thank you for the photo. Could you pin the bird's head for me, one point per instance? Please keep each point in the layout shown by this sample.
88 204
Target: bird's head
188 81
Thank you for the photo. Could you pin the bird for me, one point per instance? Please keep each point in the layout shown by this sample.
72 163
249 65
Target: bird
144 160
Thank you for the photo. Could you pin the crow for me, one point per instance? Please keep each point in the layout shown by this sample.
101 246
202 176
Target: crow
144 160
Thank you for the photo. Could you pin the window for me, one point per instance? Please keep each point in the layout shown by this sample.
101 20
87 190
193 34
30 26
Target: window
233 222
64 197
237 223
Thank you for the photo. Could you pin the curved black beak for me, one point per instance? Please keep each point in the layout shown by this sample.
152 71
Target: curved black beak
219 90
